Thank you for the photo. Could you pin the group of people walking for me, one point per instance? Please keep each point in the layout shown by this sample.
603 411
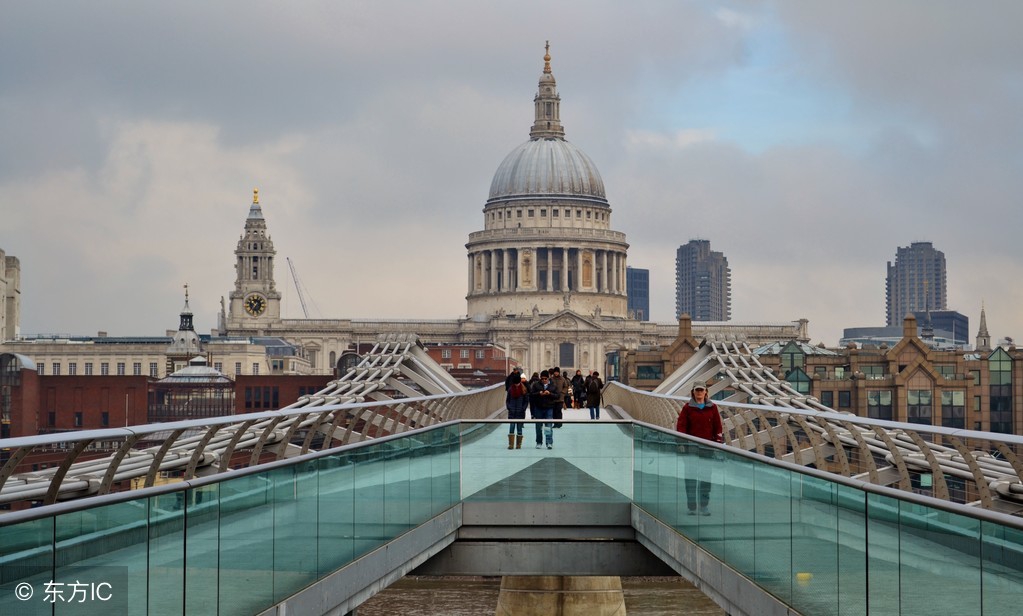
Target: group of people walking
546 395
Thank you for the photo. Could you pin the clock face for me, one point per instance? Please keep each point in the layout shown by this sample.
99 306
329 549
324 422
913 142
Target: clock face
255 305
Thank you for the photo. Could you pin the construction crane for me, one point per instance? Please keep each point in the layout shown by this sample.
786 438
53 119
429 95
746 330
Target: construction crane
300 288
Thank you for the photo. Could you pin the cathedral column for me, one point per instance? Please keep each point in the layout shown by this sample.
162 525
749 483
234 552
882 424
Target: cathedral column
614 273
504 279
625 276
535 268
603 271
579 269
550 268
472 261
493 270
564 270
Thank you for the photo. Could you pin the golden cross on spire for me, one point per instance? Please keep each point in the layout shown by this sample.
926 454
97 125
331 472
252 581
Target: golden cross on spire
547 57
255 196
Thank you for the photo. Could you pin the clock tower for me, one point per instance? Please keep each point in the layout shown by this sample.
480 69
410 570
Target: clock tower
255 302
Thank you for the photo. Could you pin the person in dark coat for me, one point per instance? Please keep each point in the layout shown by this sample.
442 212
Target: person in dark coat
700 418
594 386
534 408
518 400
578 389
546 397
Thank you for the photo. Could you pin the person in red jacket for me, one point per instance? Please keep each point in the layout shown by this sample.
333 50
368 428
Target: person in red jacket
699 418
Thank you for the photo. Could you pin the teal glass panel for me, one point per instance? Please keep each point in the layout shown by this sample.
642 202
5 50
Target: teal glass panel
939 562
246 544
202 545
335 519
369 499
421 452
295 516
166 567
728 529
397 477
643 490
774 535
882 555
103 545
1002 566
815 539
852 551
447 469
589 462
26 557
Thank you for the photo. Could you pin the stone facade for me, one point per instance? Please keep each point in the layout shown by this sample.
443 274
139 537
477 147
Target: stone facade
10 297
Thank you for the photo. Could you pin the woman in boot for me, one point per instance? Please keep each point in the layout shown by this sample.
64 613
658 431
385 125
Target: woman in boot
518 399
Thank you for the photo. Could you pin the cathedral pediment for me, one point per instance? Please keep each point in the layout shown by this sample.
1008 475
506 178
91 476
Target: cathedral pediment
566 320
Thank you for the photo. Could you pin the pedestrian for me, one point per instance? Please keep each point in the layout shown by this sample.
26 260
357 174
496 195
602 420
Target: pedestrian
518 399
560 386
594 387
578 390
545 397
514 377
700 418
534 408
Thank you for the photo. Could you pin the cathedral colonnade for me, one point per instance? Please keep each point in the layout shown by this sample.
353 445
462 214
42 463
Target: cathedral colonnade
546 267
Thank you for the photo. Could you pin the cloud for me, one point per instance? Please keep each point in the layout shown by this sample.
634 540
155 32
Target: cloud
133 137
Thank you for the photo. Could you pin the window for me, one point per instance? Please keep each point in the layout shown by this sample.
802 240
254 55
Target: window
105 419
879 404
543 212
530 213
464 354
120 368
88 368
953 409
976 404
104 368
255 368
218 366
51 419
792 357
873 372
799 380
153 369
839 373
566 354
136 368
588 214
72 368
78 419
56 369
654 372
918 406
237 367
481 354
1000 401
828 399
555 212
445 354
948 372
578 213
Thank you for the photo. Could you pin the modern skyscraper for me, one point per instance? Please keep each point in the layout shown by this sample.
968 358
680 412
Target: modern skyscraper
703 283
916 283
637 282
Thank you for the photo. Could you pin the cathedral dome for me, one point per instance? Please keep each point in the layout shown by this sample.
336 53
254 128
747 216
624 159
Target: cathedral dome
547 167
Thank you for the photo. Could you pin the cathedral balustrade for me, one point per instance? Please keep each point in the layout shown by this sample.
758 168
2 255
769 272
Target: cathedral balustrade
526 233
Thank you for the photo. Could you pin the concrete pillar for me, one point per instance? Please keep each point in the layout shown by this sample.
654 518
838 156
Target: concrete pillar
472 261
554 595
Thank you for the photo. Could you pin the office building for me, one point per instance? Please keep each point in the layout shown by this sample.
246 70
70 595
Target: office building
916 282
703 283
637 283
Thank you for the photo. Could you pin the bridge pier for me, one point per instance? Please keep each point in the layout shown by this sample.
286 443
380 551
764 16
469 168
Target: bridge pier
561 595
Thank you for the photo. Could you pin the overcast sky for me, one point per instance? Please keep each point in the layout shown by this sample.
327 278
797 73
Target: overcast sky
806 140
